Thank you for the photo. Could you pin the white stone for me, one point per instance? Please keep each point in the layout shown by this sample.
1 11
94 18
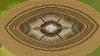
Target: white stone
51 28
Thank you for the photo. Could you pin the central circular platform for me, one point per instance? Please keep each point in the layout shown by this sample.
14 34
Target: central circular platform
51 28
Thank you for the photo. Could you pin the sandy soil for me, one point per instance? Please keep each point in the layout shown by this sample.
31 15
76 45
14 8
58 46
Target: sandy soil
22 50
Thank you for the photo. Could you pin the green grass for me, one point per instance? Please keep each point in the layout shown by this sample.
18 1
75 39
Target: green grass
93 3
5 5
95 53
5 52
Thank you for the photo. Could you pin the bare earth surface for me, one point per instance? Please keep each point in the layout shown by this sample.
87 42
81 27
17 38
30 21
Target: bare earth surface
81 50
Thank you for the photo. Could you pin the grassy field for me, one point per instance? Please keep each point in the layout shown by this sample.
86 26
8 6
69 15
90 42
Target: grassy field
5 5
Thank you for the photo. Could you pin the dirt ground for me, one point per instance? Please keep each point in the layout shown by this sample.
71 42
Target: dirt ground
21 50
